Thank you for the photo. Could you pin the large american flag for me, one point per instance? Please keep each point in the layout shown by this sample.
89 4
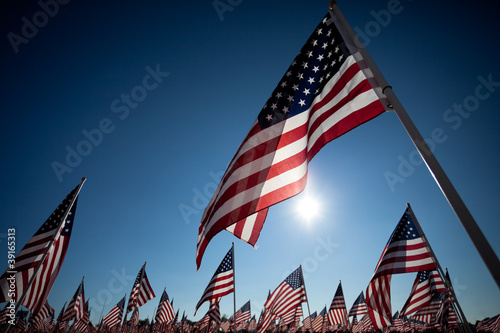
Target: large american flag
288 295
141 291
165 312
405 252
359 306
76 307
337 314
222 282
323 94
426 283
49 244
115 315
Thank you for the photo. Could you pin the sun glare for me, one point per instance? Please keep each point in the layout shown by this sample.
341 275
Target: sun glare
308 208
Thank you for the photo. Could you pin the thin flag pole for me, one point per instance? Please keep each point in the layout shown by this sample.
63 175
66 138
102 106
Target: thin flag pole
305 292
102 312
440 269
234 292
475 234
35 272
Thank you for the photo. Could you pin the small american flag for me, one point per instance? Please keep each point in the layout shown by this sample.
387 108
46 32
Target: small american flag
317 323
141 291
337 314
76 307
359 306
243 314
222 282
165 312
323 95
115 315
405 252
49 243
134 318
288 295
426 283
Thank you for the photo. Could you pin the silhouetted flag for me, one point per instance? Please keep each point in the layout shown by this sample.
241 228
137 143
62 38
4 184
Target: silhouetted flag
76 307
288 295
359 307
222 282
165 312
141 291
337 314
405 252
324 94
115 315
49 243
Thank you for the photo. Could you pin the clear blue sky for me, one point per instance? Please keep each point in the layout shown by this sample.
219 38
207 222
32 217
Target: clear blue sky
159 155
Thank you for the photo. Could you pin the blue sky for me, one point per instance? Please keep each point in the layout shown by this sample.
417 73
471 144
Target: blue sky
153 169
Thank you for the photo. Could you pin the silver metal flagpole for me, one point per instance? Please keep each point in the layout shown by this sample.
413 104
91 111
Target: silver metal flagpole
307 298
440 270
234 290
475 234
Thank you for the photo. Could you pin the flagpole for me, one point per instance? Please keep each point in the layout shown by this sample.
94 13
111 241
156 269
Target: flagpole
475 234
305 292
234 292
35 272
440 270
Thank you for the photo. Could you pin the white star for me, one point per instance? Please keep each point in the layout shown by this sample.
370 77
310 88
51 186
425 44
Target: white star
285 109
329 54
341 56
274 106
325 45
311 80
288 73
320 31
300 76
315 42
315 69
295 87
337 49
329 33
283 84
309 54
269 117
306 91
278 95
302 102
305 65
290 98
320 57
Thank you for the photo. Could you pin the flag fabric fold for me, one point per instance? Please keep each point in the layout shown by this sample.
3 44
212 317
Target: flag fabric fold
323 95
288 295
115 315
76 307
165 312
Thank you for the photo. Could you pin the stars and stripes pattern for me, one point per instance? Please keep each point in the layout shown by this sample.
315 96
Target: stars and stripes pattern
40 260
288 295
318 322
134 318
82 324
115 315
426 283
76 307
45 312
243 314
165 312
337 314
141 291
405 252
323 95
307 322
222 282
359 306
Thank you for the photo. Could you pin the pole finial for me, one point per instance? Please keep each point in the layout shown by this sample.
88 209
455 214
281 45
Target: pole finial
331 4
407 204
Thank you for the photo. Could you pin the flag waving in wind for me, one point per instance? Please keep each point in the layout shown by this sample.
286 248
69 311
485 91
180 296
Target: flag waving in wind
141 291
39 262
288 295
222 283
405 252
324 94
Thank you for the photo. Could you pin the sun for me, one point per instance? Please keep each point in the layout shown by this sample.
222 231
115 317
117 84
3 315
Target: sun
308 208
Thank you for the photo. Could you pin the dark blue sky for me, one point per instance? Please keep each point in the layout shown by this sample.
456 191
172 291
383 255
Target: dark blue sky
155 98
